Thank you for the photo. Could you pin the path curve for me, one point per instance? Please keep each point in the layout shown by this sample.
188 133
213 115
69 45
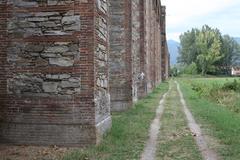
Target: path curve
149 152
207 153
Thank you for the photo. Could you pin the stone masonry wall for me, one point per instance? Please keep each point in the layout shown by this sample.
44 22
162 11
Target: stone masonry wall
136 48
153 44
120 66
144 56
164 48
101 89
66 64
51 72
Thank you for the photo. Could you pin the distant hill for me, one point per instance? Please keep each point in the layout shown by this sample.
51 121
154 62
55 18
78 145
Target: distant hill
173 50
237 39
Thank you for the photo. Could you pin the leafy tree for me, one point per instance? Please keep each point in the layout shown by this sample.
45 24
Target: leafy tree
188 50
230 51
208 43
208 49
191 69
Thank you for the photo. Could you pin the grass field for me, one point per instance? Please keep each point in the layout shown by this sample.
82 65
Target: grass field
218 120
129 132
224 91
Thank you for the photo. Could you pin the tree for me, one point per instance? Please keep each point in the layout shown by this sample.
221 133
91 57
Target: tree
188 50
208 49
230 51
208 43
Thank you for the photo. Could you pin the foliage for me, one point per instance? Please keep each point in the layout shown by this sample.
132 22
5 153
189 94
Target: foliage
235 85
211 51
226 94
174 71
191 69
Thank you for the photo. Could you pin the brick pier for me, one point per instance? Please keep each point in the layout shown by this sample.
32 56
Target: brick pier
66 64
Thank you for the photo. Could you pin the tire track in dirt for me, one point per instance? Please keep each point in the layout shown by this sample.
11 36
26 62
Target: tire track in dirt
149 152
207 153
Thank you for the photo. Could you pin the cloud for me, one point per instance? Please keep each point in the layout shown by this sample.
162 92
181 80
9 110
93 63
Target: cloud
185 14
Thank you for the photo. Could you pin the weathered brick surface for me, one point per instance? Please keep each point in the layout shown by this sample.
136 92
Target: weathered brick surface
120 55
65 62
101 87
54 77
164 48
135 49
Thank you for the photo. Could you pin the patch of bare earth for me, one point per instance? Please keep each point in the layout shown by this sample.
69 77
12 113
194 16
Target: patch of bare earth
149 152
8 152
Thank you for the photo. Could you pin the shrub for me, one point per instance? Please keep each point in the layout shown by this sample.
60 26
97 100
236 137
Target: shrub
174 71
191 69
235 86
224 94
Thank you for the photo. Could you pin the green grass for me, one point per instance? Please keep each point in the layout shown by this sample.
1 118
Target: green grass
224 91
129 132
176 141
220 122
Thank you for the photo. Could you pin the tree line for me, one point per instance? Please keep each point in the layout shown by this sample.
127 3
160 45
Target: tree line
207 51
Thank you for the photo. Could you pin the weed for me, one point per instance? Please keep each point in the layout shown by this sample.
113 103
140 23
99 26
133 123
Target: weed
223 92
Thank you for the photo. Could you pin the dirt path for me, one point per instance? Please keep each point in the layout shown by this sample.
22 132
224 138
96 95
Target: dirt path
150 148
206 152
174 134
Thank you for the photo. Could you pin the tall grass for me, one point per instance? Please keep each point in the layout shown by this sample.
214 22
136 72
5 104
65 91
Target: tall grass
220 121
223 91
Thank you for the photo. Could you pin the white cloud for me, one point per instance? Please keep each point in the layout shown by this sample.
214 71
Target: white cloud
183 15
174 36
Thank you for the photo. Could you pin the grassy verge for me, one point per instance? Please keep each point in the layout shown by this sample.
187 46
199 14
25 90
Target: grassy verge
224 91
129 132
176 141
219 122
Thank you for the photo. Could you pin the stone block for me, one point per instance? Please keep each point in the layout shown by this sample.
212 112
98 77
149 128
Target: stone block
34 48
68 20
69 84
63 61
57 49
46 14
50 87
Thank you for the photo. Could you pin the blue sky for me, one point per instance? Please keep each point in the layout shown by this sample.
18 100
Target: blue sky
183 15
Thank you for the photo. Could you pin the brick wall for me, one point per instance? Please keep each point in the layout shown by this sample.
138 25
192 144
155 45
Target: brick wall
120 55
101 73
144 55
52 73
165 53
3 54
136 48
62 62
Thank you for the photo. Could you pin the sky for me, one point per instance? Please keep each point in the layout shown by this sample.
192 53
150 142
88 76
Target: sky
182 15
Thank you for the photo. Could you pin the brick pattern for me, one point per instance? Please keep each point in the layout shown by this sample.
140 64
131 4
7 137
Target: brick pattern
136 48
141 55
3 55
101 88
54 77
164 48
64 62
120 55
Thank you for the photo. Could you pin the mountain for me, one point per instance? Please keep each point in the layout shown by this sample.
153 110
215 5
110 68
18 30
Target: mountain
237 39
173 50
